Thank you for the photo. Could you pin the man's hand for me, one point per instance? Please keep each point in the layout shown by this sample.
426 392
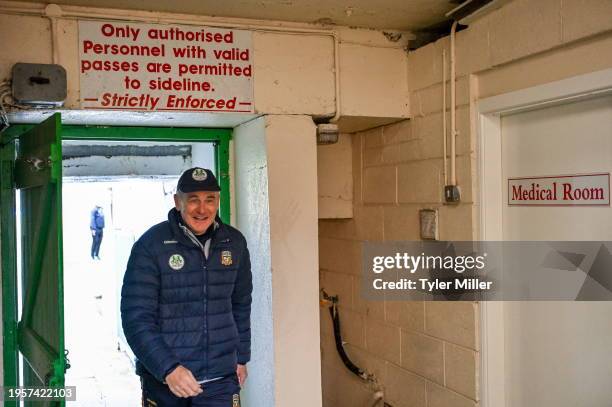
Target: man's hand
241 372
93 232
182 383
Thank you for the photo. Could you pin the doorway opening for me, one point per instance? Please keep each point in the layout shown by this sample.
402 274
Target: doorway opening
132 190
131 173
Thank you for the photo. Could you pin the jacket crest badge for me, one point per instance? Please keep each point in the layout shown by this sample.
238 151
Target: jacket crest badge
176 261
226 258
235 400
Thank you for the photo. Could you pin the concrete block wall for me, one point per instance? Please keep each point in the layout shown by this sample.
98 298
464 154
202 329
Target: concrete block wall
423 354
427 354
335 179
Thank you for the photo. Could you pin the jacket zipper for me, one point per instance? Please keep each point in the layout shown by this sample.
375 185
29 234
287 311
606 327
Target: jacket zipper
195 240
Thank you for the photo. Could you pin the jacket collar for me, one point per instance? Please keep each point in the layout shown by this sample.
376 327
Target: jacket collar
182 233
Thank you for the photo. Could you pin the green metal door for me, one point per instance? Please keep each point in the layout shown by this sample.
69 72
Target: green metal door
35 177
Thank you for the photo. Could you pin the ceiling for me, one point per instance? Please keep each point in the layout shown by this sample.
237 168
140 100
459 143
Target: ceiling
400 15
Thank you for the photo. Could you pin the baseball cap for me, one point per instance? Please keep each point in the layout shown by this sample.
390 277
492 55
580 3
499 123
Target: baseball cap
197 179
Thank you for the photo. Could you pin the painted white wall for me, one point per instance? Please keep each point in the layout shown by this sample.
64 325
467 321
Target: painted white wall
203 155
276 209
292 178
369 81
253 220
293 73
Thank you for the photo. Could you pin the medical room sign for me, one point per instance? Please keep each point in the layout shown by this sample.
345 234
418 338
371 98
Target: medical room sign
560 190
151 67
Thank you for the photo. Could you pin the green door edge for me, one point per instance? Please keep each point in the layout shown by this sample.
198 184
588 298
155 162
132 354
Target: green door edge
9 266
13 335
220 137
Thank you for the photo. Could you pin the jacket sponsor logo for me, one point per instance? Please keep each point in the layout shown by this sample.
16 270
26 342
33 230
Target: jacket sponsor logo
235 400
199 174
170 242
226 258
176 261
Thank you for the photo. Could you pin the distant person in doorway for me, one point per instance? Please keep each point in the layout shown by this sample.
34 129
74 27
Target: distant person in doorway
186 302
96 225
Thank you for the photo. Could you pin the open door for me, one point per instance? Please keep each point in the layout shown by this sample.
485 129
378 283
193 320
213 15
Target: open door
31 169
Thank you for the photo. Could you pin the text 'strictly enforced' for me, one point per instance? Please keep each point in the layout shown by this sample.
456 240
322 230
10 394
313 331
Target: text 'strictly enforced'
127 66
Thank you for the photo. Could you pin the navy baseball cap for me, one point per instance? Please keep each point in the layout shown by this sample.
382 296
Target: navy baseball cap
198 179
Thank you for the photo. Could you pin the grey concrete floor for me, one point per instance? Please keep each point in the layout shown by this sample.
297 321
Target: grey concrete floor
103 374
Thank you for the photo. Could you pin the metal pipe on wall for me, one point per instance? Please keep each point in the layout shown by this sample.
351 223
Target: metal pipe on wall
453 172
53 12
444 115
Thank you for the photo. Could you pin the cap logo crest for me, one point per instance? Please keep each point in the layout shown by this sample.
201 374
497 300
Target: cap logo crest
199 174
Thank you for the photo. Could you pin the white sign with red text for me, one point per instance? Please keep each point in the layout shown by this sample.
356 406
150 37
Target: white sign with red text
147 67
560 190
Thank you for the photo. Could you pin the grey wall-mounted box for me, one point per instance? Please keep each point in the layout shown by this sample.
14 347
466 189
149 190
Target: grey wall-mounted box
39 84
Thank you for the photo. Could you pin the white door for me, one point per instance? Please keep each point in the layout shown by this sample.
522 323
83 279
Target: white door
557 353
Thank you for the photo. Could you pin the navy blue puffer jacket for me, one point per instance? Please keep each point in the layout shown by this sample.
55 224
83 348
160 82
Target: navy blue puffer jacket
179 307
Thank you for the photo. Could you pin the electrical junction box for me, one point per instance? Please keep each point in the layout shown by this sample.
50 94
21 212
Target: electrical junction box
452 194
429 224
39 84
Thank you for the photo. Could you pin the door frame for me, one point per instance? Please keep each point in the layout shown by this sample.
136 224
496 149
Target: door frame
221 138
489 113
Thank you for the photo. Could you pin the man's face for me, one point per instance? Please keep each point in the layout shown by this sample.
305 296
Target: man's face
198 209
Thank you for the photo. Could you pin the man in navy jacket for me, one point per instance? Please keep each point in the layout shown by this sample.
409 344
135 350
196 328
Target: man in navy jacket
186 302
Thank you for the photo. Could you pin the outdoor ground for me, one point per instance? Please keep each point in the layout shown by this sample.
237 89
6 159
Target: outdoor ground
104 375
103 372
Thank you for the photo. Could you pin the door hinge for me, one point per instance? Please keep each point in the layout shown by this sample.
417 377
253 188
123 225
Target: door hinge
56 162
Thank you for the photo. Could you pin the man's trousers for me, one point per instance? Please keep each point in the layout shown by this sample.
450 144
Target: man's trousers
220 393
96 243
